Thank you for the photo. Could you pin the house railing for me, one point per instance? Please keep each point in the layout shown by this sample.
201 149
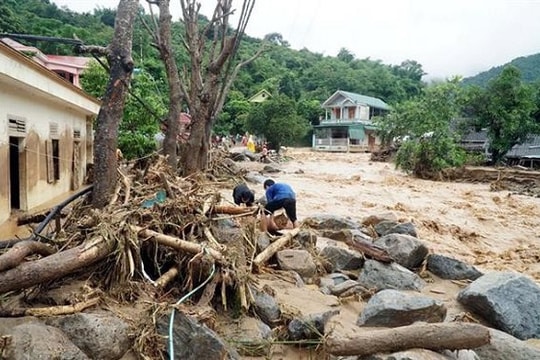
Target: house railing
331 142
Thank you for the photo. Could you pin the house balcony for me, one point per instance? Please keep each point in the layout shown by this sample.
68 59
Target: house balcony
333 120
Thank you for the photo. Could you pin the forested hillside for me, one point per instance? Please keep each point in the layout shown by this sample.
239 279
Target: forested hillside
297 74
528 65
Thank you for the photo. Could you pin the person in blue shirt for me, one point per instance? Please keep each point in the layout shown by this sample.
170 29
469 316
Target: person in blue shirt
278 196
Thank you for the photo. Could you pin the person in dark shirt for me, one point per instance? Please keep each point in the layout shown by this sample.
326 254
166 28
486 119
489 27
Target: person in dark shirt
243 195
278 196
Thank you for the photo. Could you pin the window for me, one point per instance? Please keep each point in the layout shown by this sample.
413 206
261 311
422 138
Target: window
56 159
52 149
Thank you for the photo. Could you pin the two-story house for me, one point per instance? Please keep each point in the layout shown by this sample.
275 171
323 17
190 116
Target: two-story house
347 125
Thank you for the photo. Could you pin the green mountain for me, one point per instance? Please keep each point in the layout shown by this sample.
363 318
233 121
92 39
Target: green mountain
528 65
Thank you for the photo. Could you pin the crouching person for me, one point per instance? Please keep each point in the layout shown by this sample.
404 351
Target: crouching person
278 196
243 195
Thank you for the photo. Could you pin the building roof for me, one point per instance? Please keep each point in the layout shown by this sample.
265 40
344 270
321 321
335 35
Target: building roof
340 96
260 96
530 148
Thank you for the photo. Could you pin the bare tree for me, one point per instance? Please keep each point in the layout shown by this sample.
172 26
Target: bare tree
163 40
121 66
211 72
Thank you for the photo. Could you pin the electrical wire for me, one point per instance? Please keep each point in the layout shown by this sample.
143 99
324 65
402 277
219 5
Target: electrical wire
182 299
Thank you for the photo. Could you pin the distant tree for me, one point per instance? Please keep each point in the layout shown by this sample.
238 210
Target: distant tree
277 39
232 119
345 55
506 108
277 120
422 125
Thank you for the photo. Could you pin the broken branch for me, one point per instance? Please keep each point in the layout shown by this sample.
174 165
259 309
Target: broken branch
274 247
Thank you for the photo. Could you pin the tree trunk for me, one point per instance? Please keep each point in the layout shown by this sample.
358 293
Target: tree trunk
175 89
112 108
55 266
440 336
194 157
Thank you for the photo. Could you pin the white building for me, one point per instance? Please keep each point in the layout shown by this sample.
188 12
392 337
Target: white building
45 133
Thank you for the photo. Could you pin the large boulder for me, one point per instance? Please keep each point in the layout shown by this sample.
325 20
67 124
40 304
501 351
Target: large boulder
503 346
341 258
412 354
310 327
100 335
406 250
379 276
373 220
451 269
392 308
40 341
194 341
331 222
507 300
392 227
297 260
266 307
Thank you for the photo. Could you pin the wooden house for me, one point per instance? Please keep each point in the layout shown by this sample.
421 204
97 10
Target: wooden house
347 125
260 96
46 137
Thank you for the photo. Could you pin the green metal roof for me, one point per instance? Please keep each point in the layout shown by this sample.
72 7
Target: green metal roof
341 124
357 99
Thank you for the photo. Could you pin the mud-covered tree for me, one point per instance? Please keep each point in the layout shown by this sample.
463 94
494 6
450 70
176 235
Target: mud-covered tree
278 121
506 108
210 73
120 61
423 126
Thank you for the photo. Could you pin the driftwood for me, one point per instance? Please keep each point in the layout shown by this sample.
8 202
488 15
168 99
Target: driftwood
50 311
19 251
179 244
35 218
438 336
274 247
55 266
166 278
233 210
371 250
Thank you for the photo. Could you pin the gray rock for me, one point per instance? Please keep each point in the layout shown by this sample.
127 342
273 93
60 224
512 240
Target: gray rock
407 228
255 177
306 238
266 307
332 280
451 269
341 258
232 166
383 227
331 222
238 157
99 335
503 346
270 169
40 341
345 235
373 220
344 287
194 341
263 241
250 337
392 308
297 260
251 156
379 276
310 327
509 301
406 250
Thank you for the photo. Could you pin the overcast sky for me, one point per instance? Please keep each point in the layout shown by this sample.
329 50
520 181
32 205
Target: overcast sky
448 37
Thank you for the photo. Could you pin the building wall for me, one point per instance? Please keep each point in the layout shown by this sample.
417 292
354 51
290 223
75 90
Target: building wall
44 104
39 115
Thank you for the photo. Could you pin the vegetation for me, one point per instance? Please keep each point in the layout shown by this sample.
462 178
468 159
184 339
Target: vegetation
299 82
506 108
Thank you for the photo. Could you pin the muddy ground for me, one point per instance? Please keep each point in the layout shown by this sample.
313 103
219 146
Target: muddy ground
475 222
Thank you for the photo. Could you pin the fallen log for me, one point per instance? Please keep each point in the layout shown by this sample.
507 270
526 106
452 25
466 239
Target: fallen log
233 210
35 218
274 247
439 336
51 310
55 266
179 244
370 249
20 250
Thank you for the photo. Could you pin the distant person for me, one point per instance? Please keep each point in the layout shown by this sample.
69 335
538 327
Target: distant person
264 154
278 196
243 195
251 144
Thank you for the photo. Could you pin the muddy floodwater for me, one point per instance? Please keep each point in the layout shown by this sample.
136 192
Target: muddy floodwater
493 230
